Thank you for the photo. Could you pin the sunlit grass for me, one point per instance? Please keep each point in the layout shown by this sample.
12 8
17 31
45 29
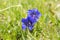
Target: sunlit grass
12 11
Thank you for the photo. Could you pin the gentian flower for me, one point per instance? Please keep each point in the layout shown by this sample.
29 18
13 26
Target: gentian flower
34 14
32 18
27 23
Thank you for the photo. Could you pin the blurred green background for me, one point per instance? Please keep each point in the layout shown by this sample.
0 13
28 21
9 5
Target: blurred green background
47 27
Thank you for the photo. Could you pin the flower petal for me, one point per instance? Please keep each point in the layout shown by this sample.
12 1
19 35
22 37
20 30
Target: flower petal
25 21
30 12
24 26
30 28
32 20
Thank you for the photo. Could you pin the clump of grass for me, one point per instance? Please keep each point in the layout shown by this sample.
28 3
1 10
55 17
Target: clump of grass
12 11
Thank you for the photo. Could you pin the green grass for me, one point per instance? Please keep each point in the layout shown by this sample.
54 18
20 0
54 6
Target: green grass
12 11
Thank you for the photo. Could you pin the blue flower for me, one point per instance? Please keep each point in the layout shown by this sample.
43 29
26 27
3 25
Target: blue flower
27 23
32 18
34 13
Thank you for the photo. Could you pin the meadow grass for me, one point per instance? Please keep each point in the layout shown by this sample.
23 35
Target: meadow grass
12 11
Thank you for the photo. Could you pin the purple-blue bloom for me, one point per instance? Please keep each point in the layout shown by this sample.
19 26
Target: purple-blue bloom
27 23
34 13
32 18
